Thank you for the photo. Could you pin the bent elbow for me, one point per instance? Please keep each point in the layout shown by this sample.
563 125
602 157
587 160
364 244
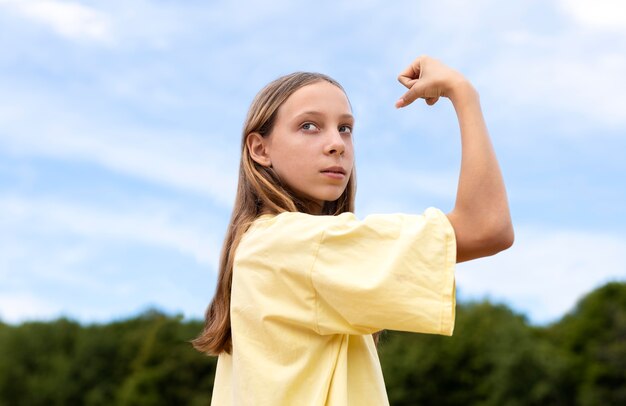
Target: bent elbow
502 238
484 239
509 238
503 244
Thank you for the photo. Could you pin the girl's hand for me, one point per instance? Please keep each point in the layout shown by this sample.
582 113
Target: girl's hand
429 79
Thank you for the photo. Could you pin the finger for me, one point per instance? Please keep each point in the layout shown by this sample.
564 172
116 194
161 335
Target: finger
415 92
412 71
406 81
432 100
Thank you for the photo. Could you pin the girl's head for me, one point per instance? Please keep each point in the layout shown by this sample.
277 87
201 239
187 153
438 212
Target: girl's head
297 152
296 155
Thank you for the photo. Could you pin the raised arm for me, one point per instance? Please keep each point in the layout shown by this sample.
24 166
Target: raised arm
480 218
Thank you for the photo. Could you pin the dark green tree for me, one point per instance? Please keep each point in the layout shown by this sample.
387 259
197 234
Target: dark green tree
594 333
147 360
35 363
494 358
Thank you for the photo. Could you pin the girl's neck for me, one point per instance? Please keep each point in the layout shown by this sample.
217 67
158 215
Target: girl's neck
312 208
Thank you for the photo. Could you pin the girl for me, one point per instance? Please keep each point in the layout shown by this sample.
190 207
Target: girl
303 283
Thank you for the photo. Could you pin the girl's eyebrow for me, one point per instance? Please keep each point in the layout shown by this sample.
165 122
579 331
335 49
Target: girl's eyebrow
345 116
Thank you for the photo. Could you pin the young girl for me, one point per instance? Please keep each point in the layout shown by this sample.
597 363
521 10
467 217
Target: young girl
303 283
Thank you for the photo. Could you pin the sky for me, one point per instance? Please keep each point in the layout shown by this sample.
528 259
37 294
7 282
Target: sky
120 128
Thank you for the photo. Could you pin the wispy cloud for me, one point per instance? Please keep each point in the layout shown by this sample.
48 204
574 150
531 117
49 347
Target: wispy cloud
19 306
155 225
71 20
598 14
566 76
96 262
183 161
546 271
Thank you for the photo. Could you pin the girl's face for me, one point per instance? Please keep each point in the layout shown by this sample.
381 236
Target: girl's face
310 146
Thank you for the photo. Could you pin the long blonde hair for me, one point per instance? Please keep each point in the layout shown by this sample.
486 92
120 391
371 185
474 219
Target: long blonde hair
259 190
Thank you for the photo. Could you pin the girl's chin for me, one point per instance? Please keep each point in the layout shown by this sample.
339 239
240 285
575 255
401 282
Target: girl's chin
321 198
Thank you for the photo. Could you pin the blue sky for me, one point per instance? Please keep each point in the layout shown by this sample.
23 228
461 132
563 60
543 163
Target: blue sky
120 127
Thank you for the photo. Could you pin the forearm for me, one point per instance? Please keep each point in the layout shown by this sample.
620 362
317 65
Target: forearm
480 217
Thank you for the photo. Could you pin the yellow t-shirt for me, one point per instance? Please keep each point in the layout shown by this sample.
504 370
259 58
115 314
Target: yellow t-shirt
308 292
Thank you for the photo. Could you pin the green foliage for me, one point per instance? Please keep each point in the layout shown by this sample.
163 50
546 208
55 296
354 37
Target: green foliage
143 361
595 335
36 363
494 358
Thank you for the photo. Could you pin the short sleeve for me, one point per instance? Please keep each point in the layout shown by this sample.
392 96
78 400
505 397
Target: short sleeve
392 271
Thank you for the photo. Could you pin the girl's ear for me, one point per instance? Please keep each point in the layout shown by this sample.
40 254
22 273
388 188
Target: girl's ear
258 149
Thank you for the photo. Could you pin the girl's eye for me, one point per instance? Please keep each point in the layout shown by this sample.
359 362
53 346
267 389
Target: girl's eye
345 129
309 127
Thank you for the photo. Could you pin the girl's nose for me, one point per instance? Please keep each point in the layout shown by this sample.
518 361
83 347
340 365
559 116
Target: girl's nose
336 144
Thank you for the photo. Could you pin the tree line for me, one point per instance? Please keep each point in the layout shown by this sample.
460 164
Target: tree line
494 358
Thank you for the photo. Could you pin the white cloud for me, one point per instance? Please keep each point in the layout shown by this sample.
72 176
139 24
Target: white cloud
68 19
597 14
149 225
173 161
194 163
96 275
16 307
59 258
563 84
546 272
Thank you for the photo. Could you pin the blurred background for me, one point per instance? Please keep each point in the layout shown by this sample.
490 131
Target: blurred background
120 128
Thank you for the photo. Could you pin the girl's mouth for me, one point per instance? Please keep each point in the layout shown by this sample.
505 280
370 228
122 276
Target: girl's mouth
334 170
335 173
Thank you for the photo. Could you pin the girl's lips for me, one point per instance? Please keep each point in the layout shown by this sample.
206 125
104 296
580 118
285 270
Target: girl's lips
337 169
334 175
